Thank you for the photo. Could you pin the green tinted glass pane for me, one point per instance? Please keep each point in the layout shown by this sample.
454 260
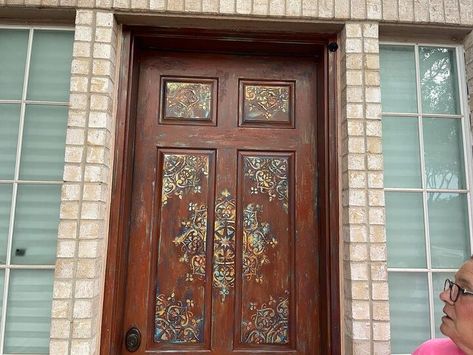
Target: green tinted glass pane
438 279
29 312
409 309
398 79
401 160
13 48
50 67
9 124
36 223
444 163
5 207
44 138
439 80
405 229
448 223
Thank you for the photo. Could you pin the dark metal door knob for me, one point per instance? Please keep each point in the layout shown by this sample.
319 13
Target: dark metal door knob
132 339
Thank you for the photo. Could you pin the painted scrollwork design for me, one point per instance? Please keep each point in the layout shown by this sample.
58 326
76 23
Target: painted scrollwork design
269 322
188 100
192 241
224 244
174 322
257 238
183 173
266 101
270 175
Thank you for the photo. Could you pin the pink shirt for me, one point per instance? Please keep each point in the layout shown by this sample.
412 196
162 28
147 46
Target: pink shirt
444 346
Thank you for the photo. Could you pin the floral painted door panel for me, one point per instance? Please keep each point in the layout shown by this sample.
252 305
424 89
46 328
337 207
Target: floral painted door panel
223 241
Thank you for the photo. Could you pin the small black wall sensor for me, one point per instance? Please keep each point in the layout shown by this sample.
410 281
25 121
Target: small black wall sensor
332 46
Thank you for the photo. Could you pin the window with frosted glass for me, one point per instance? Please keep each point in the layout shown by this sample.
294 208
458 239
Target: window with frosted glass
426 184
34 92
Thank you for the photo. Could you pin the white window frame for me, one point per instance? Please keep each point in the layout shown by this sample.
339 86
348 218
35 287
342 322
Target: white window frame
7 267
464 116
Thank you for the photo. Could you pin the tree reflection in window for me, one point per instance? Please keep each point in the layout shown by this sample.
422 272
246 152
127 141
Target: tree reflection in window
438 76
443 145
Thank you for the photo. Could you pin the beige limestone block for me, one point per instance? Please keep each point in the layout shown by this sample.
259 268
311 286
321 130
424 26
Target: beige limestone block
326 8
64 268
466 12
80 347
158 5
406 10
277 7
381 331
192 5
380 291
421 10
60 309
390 10
360 310
293 8
361 330
377 234
379 271
62 289
309 8
260 7
373 10
211 6
227 6
358 9
436 10
69 210
82 328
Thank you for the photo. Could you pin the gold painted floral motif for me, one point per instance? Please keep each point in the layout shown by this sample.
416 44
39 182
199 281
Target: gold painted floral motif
256 240
270 175
224 244
174 322
269 323
182 173
188 100
191 241
266 101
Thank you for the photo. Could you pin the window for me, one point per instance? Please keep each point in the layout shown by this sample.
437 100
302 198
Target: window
34 93
427 186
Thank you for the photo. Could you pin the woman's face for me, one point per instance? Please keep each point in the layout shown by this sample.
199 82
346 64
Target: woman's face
457 323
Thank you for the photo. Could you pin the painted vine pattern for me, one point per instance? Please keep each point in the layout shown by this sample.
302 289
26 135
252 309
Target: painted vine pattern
268 323
270 176
224 244
183 173
175 322
191 241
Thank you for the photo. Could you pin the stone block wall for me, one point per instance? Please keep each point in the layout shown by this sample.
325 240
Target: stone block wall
81 255
364 243
83 229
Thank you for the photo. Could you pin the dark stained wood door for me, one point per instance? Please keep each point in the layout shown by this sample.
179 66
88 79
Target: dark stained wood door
223 252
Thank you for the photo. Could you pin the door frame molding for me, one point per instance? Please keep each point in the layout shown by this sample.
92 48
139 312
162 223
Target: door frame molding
328 214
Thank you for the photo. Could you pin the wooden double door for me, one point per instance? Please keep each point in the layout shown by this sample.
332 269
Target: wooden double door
223 235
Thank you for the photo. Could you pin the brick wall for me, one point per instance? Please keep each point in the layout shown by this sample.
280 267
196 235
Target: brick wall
364 243
78 285
82 238
455 12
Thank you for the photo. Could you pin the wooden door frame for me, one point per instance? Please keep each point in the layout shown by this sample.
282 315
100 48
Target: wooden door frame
328 216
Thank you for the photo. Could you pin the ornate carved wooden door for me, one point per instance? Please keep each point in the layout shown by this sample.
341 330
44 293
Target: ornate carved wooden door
223 234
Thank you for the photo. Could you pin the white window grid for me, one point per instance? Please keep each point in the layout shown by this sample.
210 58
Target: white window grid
23 102
467 157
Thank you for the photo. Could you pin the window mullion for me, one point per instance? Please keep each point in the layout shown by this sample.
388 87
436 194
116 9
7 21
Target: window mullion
466 135
424 194
15 192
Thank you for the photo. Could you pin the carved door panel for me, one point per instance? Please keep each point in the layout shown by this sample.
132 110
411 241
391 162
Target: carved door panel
223 234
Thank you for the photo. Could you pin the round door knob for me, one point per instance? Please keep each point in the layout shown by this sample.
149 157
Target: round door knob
132 339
